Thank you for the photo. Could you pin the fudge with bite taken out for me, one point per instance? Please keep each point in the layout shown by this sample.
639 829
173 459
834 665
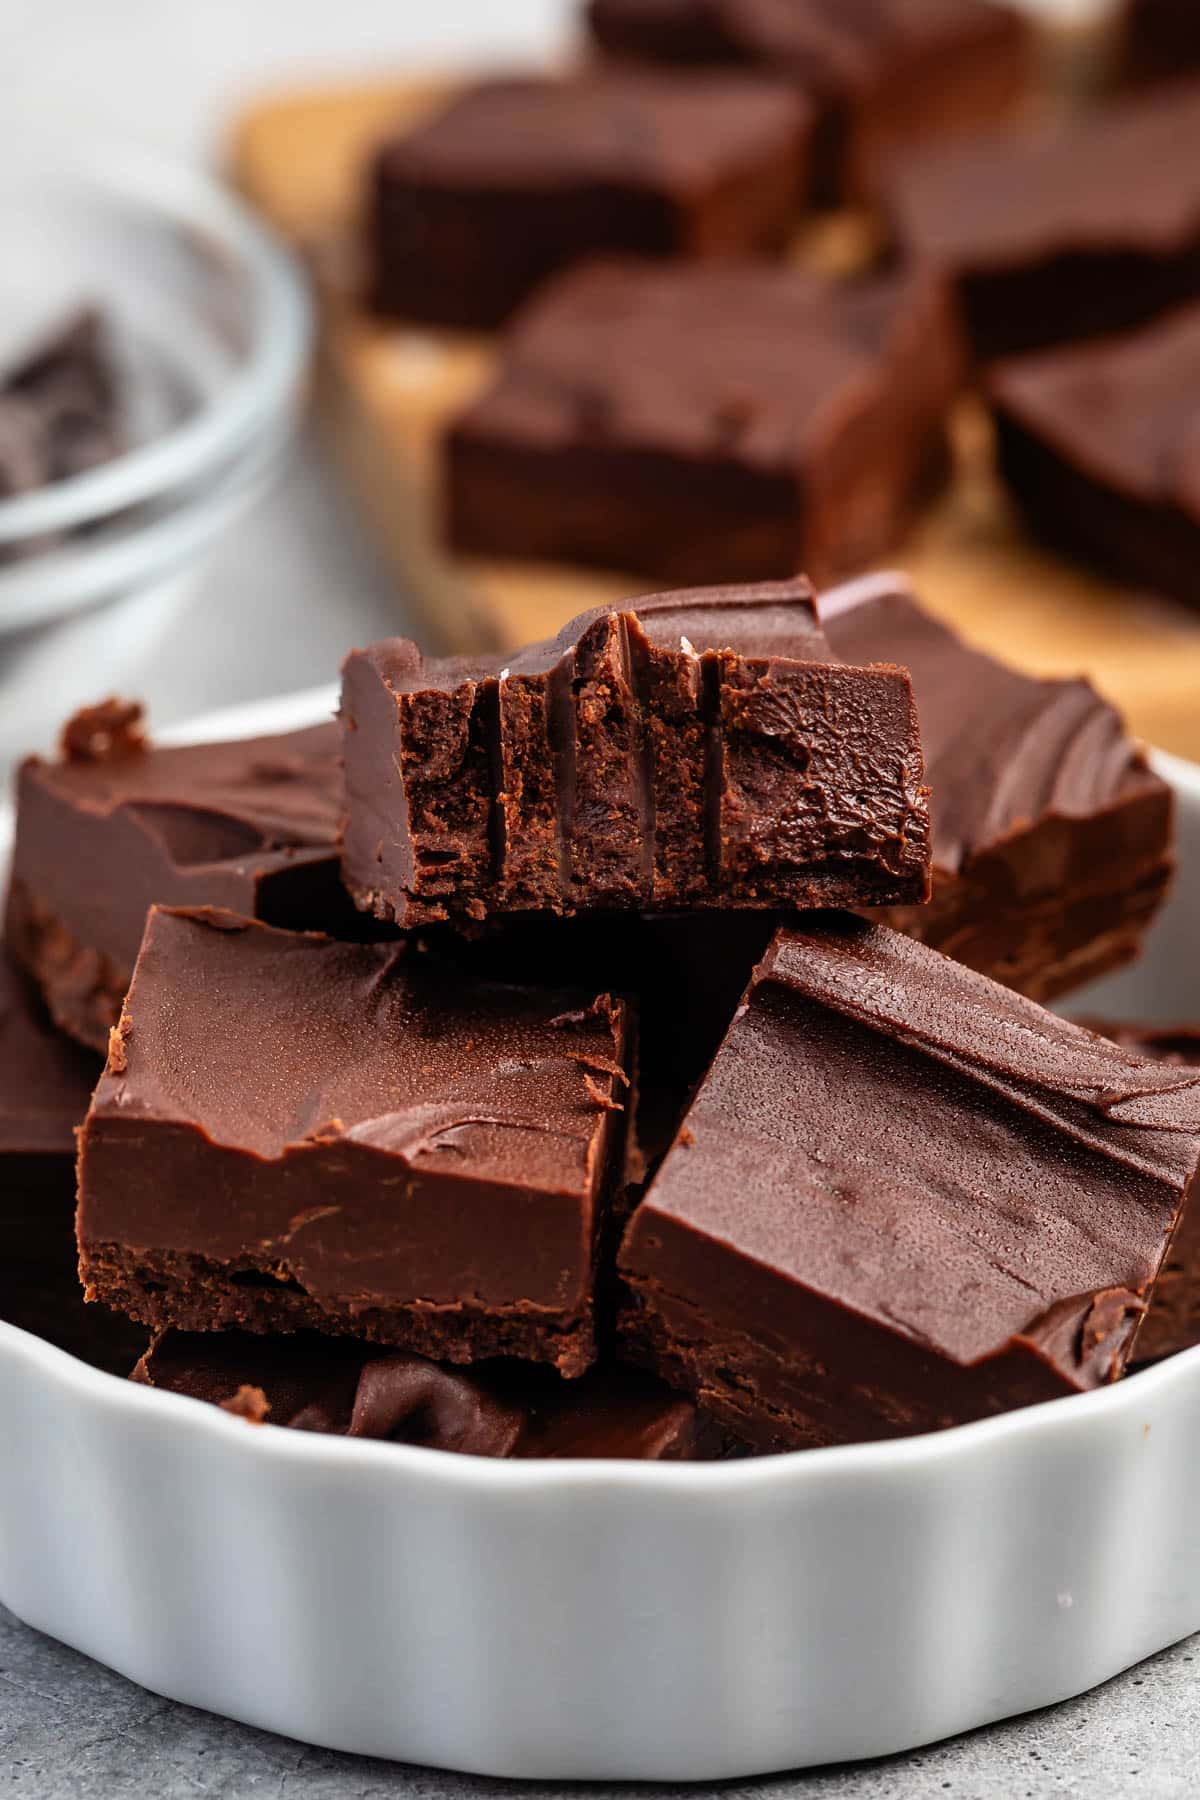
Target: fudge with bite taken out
514 178
116 824
1052 836
709 424
883 74
1100 447
360 1138
904 1197
347 1389
688 750
1064 233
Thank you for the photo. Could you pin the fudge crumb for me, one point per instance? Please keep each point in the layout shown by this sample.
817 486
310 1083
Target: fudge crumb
104 733
249 1403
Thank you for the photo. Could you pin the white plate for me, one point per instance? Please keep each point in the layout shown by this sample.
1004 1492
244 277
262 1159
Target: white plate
604 1619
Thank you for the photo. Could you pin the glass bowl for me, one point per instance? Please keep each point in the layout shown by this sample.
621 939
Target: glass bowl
210 326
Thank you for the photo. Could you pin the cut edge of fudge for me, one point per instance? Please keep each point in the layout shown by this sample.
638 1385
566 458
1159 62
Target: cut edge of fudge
307 1187
818 1299
702 747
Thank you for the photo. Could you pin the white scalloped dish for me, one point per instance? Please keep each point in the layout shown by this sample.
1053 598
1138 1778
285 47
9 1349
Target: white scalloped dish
604 1619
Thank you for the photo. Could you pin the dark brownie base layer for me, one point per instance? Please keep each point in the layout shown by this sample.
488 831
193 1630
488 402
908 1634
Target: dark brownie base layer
192 1293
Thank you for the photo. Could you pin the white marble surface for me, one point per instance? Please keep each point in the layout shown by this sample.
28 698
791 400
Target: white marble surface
278 604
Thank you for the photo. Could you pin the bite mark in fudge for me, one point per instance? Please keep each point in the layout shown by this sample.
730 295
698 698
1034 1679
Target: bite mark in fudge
116 825
1173 1321
882 76
699 748
293 1132
1100 446
1065 233
341 1388
709 424
515 178
1052 837
904 1197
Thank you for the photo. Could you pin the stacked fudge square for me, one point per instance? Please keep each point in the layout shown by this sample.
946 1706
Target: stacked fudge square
523 1067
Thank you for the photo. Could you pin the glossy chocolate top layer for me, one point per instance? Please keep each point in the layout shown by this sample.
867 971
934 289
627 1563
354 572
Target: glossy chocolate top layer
46 1081
753 362
950 1162
1127 177
826 44
1123 410
314 1383
116 824
1002 749
265 1041
626 128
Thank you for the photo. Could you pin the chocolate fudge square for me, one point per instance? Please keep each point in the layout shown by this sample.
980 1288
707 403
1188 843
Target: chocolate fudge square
1067 232
1160 40
904 1197
1100 447
882 74
516 178
689 750
293 1132
1052 836
1173 1321
116 824
346 1389
709 424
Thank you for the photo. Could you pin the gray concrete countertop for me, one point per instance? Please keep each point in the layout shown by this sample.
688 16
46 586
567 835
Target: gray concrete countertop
289 591
70 1730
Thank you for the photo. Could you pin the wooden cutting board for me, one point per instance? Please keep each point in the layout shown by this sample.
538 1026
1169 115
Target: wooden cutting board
385 391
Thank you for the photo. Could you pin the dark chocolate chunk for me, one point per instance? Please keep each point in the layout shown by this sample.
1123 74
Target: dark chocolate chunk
1067 232
516 178
1052 837
343 1388
1100 446
904 1197
115 825
694 749
709 424
883 73
293 1132
60 407
1173 1321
